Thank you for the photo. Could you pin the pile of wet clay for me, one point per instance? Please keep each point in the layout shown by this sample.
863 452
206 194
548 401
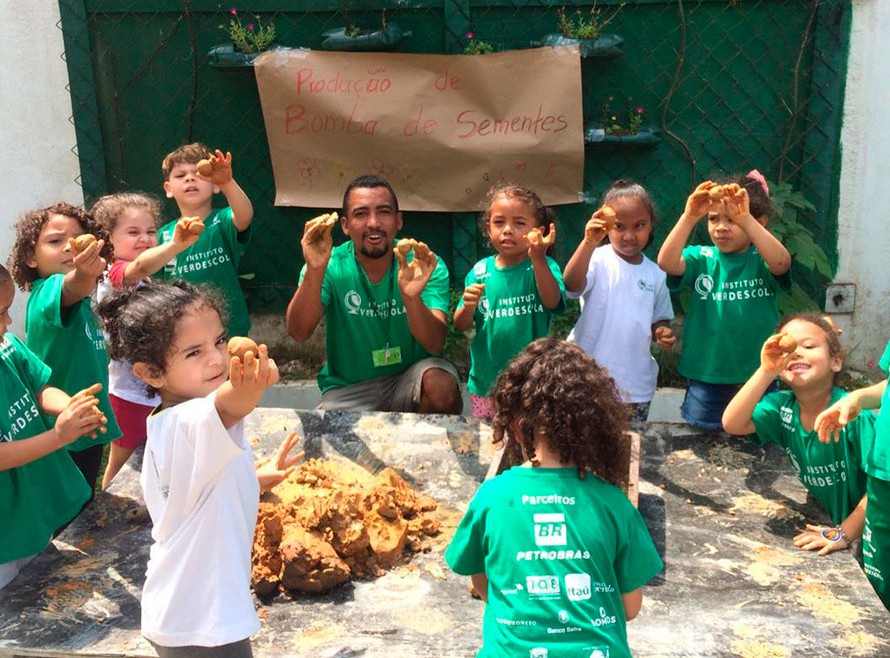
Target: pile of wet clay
332 521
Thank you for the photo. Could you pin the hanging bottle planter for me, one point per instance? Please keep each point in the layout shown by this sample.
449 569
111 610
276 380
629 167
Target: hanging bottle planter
386 39
644 136
225 56
607 46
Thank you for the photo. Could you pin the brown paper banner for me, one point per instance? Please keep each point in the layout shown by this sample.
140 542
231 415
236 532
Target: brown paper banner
441 128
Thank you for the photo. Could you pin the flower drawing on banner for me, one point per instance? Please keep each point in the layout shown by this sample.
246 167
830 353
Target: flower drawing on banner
380 168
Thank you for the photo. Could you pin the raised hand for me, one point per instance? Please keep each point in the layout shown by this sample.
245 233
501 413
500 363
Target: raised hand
699 202
777 352
216 169
665 338
255 374
830 422
317 242
600 223
737 203
414 276
80 418
88 262
272 471
538 243
472 294
187 231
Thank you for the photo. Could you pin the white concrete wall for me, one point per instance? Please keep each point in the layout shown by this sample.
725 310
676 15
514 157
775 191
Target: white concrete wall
864 215
38 167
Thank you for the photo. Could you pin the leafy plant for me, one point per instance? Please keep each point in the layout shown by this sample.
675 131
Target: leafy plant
457 344
477 46
250 37
614 124
352 30
584 27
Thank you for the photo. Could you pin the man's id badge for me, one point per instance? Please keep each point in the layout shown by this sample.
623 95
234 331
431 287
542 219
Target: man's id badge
388 356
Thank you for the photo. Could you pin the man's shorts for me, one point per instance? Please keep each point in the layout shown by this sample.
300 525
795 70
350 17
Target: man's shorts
390 393
704 403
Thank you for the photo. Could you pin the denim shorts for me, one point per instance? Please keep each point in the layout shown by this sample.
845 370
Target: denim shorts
705 403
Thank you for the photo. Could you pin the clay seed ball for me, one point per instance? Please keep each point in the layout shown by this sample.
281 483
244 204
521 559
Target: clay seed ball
240 345
205 167
717 192
405 245
81 242
787 343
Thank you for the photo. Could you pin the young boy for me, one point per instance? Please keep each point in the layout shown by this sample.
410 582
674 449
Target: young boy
214 258
734 306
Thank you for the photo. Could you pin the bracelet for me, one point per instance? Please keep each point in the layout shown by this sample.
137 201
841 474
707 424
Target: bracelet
835 535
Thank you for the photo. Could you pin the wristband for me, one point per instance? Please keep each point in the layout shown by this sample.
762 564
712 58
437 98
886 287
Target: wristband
835 535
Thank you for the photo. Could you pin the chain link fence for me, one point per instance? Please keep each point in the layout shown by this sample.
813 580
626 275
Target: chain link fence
727 86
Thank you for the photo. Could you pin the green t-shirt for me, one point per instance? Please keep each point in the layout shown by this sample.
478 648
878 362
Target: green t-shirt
363 317
213 259
832 472
509 316
879 459
558 552
37 498
733 309
876 538
71 342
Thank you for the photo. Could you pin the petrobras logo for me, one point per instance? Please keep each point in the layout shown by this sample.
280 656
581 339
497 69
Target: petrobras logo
704 284
550 529
353 302
542 585
604 619
578 586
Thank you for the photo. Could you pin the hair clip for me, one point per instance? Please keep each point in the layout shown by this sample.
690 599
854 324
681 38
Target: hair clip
754 174
830 320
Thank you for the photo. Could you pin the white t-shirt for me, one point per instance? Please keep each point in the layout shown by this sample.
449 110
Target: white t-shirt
619 304
202 494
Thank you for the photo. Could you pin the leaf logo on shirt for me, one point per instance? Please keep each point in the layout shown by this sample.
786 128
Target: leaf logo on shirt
353 302
703 285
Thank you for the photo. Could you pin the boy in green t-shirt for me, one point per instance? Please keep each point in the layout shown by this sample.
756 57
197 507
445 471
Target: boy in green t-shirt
192 175
734 304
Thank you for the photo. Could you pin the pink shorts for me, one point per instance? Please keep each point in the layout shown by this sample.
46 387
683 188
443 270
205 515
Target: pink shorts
481 407
131 418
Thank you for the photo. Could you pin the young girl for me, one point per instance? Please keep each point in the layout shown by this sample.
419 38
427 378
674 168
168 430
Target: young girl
512 296
59 324
625 304
876 532
831 473
556 551
130 220
40 487
198 476
735 287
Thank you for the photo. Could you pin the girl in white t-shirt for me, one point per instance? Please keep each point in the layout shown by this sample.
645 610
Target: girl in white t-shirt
625 304
198 476
130 220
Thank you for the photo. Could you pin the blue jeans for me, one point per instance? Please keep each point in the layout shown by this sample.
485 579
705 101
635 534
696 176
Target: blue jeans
704 403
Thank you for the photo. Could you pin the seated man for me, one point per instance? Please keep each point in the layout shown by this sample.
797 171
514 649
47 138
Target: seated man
382 320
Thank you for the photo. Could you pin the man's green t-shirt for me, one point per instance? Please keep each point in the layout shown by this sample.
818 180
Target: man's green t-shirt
71 342
733 308
364 318
558 552
510 315
214 260
39 497
833 472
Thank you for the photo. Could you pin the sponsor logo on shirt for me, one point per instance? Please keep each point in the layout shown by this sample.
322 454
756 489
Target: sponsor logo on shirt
550 529
578 586
552 555
599 652
645 285
539 586
538 652
604 619
785 415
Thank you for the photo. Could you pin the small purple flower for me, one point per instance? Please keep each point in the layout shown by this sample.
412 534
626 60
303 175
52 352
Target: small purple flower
640 109
250 27
233 11
470 34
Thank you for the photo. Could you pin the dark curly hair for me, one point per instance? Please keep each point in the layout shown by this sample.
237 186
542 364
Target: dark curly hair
544 215
141 321
554 387
27 231
758 198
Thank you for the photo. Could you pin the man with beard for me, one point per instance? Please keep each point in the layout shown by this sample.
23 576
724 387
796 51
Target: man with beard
384 314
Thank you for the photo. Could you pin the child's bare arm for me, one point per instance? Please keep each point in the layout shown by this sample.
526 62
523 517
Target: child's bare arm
575 274
774 253
830 422
80 282
271 472
305 309
548 287
633 601
480 584
185 234
670 256
77 419
219 172
463 316
247 382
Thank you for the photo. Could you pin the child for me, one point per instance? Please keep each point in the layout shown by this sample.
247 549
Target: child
198 476
556 551
59 324
130 221
876 533
511 297
214 258
734 303
625 304
40 487
831 473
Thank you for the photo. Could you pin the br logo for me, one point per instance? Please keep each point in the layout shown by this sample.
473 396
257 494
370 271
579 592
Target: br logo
703 285
353 302
550 529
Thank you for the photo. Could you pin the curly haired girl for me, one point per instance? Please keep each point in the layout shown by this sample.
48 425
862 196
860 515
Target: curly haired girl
557 524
